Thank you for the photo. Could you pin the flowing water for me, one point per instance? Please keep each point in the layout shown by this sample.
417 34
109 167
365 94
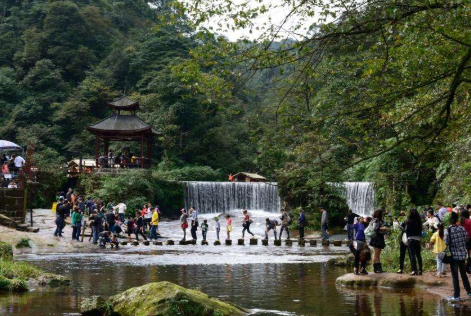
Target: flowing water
269 280
216 197
360 197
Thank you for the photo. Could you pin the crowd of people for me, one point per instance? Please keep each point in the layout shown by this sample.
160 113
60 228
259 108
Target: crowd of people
190 219
10 166
451 245
107 222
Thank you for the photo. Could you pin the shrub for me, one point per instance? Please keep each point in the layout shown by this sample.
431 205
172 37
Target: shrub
6 251
24 243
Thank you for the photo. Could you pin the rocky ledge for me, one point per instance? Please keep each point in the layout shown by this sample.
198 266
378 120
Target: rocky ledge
159 299
388 280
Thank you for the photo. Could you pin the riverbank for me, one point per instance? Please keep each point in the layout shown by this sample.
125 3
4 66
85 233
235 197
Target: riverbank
443 287
19 276
44 240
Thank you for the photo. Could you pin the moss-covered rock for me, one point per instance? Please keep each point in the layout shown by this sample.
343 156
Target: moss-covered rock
52 279
13 285
93 306
6 251
399 282
168 299
342 261
354 281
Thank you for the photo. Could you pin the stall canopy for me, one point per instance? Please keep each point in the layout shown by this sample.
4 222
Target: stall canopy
7 145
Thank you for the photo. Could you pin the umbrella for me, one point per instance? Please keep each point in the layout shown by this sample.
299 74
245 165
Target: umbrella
7 145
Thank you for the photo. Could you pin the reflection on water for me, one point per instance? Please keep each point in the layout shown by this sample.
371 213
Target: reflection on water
269 289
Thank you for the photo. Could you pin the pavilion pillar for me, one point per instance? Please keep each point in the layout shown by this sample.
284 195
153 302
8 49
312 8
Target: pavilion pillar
97 148
142 151
106 147
149 150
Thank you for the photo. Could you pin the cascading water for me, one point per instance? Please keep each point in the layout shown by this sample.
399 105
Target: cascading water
360 197
220 197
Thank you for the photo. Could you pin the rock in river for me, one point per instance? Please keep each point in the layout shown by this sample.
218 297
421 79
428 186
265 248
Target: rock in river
163 299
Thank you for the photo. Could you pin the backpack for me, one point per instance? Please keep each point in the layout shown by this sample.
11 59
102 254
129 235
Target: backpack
369 231
290 220
437 217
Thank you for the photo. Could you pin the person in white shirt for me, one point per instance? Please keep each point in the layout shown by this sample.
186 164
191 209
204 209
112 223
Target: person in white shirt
19 161
121 207
431 222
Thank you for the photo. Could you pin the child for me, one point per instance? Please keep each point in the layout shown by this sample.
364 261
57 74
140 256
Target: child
228 226
204 228
396 224
114 242
439 247
218 227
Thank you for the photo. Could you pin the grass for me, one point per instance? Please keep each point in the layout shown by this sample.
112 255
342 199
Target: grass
15 274
24 243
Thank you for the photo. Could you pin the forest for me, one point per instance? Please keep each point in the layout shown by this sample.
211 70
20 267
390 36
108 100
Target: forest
377 92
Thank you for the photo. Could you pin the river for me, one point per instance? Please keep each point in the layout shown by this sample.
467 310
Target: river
269 280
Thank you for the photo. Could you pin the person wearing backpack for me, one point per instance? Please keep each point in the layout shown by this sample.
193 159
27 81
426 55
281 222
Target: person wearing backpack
456 238
402 246
285 219
246 223
359 247
378 229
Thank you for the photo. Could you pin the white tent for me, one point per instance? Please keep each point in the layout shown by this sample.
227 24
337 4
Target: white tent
7 145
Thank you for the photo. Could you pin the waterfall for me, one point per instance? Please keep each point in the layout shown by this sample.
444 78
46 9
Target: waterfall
219 197
360 197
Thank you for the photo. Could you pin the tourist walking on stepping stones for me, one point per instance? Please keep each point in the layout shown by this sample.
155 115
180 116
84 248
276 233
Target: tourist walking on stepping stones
377 238
154 225
218 227
130 227
184 222
301 223
414 236
270 225
204 228
246 224
194 222
139 230
285 221
456 239
228 226
148 218
439 246
324 224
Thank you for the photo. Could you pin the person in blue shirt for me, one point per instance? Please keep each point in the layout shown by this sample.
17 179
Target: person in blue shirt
359 247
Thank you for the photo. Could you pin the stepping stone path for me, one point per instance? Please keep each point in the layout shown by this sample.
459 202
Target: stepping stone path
228 242
253 241
240 242
217 243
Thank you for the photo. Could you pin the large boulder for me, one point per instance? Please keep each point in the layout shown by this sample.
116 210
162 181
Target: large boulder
168 299
93 306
